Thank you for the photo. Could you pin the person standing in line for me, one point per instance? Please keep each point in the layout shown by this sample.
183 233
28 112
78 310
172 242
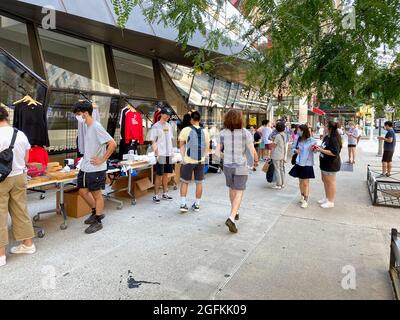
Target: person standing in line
304 167
257 141
389 147
13 198
162 137
194 145
266 131
330 163
235 142
99 146
352 140
279 154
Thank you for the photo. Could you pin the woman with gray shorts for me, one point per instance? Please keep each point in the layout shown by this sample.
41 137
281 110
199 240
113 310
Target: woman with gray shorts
330 163
235 143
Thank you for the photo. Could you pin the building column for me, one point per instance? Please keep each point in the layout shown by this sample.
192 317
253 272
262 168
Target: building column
303 110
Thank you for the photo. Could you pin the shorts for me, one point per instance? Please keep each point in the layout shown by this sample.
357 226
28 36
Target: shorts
268 146
188 169
387 156
94 181
163 166
351 145
328 173
234 181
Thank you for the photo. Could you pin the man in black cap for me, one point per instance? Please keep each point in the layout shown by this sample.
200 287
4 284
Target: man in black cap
162 136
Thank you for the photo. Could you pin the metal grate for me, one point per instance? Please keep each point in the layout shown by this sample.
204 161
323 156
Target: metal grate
384 191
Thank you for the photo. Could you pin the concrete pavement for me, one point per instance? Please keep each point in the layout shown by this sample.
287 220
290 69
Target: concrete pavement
153 252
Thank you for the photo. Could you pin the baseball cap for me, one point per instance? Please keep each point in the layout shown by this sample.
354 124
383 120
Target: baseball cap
167 111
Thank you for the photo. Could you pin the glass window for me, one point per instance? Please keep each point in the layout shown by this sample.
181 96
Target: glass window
75 64
135 75
232 94
220 93
181 76
173 98
14 39
201 90
16 81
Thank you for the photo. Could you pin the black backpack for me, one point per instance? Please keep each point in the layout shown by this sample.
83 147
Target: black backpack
6 158
196 144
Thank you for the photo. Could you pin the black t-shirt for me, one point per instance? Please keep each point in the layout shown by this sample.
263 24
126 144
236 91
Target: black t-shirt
257 138
329 163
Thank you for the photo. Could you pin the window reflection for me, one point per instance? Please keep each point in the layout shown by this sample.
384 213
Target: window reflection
201 90
181 76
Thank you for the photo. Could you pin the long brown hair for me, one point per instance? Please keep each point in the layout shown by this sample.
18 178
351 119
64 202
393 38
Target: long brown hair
306 132
233 120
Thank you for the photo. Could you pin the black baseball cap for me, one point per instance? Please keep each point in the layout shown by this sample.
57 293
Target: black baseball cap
167 111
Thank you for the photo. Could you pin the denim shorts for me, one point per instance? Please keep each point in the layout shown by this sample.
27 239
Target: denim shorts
234 180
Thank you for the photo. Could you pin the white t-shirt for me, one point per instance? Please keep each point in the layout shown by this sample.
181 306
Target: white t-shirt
162 135
21 146
266 132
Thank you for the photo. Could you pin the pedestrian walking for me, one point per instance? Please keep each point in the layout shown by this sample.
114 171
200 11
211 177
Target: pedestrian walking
330 163
99 146
194 145
162 137
303 151
13 199
279 154
389 147
236 143
266 131
353 136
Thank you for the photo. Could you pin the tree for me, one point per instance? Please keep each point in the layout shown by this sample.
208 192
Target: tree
314 47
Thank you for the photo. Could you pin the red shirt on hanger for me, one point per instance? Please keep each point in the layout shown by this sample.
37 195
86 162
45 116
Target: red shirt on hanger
133 127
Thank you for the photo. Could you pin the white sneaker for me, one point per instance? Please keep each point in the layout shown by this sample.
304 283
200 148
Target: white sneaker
322 201
23 249
301 200
3 261
327 205
277 187
304 204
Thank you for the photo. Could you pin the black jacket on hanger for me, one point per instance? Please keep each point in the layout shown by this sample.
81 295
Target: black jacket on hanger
32 120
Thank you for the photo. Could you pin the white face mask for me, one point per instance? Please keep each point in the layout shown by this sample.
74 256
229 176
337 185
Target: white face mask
80 118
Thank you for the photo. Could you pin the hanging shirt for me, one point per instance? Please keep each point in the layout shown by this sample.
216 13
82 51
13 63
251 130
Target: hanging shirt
32 120
39 155
133 127
82 127
96 139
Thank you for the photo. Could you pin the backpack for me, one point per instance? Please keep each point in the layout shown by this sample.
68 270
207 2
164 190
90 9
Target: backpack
196 144
6 158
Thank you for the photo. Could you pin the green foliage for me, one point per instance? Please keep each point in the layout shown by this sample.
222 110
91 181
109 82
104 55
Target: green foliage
313 50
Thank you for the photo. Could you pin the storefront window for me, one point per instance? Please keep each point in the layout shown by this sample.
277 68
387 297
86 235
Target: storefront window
181 76
135 75
16 81
201 90
75 64
232 94
220 93
173 98
14 39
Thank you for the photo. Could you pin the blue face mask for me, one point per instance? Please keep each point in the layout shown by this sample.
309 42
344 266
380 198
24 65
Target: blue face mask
300 133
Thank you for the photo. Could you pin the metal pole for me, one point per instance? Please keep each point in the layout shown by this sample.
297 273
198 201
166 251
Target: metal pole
380 146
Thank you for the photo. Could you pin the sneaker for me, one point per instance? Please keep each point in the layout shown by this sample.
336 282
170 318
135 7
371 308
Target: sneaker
94 227
304 204
231 225
388 175
3 261
301 200
166 197
195 207
322 201
92 219
184 208
327 205
277 187
237 216
23 249
156 200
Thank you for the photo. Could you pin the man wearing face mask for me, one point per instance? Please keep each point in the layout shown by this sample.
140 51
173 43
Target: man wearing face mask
99 146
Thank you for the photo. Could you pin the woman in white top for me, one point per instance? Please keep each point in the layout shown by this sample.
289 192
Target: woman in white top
352 140
13 198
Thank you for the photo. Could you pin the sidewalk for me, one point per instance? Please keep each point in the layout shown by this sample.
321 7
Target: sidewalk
280 252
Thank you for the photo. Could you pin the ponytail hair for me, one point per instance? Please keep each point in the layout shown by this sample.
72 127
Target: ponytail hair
333 132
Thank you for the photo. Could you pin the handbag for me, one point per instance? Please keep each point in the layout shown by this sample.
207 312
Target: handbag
266 166
294 156
270 173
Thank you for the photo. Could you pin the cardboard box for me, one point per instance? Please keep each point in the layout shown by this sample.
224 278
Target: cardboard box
74 204
140 185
